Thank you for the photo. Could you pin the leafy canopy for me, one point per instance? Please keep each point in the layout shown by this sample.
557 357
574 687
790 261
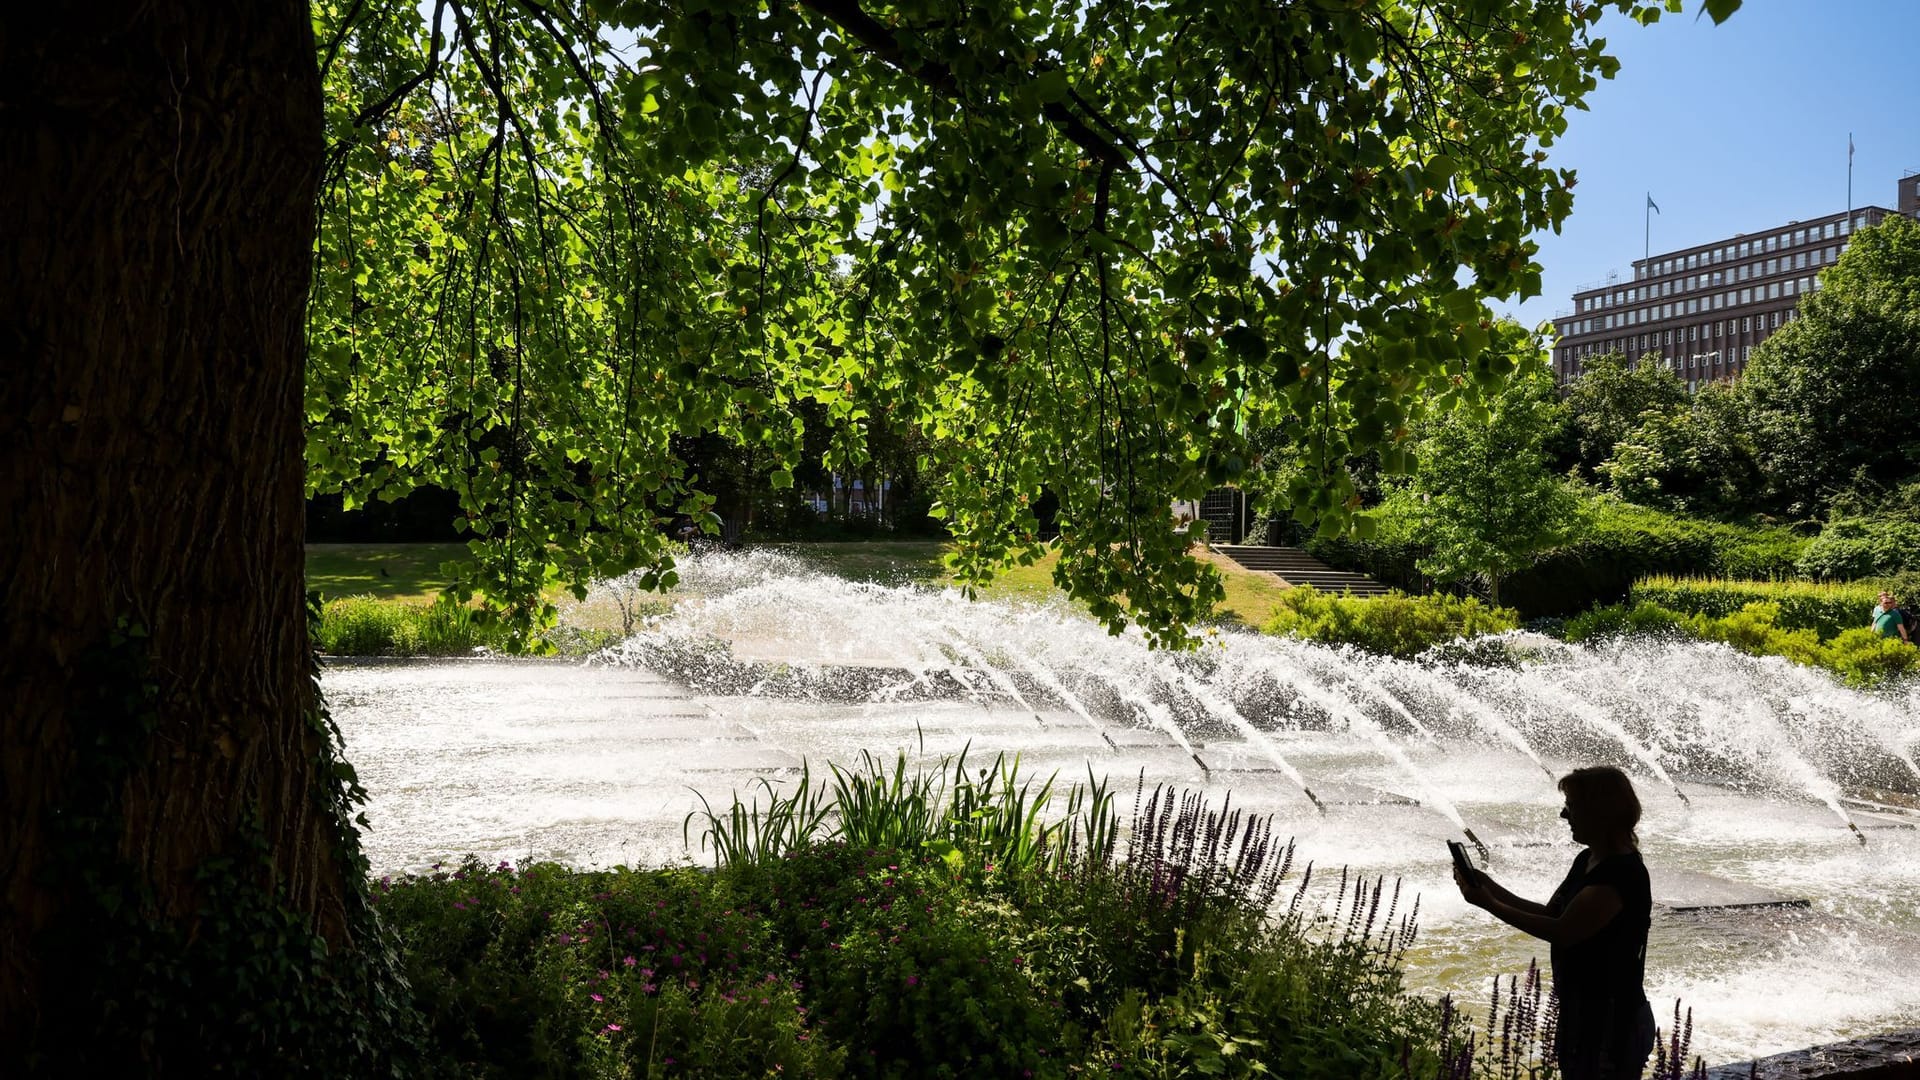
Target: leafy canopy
1080 248
1613 397
1483 499
1833 393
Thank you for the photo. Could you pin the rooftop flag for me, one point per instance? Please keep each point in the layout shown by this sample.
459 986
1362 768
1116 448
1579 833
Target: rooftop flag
1654 206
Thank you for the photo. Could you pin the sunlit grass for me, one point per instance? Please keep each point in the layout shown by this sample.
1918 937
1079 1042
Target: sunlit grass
411 572
386 571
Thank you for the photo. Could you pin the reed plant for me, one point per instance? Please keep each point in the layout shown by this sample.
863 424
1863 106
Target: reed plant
990 820
745 834
1518 1040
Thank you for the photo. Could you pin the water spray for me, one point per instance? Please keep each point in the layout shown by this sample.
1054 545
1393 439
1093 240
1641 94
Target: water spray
1486 857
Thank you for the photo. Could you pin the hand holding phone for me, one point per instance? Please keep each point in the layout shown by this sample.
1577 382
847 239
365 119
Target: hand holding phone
1461 862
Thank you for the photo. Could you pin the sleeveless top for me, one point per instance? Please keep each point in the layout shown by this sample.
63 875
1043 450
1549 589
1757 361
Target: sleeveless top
1610 965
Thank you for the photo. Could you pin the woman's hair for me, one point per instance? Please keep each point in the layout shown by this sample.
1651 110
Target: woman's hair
1609 793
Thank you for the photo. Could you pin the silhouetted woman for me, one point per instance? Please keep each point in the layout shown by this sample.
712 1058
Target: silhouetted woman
1597 923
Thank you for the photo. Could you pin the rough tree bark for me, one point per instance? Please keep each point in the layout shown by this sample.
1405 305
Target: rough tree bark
158 166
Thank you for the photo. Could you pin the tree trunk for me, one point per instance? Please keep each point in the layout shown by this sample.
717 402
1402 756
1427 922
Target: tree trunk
160 163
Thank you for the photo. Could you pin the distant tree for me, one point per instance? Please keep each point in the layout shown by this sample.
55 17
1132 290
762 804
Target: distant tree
1697 456
1612 398
1483 498
1835 393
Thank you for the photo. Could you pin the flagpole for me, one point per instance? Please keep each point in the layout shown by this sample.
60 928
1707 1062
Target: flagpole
1849 176
1646 229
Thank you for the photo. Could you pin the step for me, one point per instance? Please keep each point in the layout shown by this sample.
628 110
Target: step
1295 567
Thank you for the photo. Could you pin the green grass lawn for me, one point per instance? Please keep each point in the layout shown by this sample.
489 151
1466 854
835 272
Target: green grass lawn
411 572
388 571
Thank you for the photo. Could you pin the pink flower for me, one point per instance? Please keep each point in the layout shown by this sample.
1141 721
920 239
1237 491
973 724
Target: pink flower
597 999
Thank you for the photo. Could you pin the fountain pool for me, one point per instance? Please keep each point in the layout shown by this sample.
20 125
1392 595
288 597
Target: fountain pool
1775 925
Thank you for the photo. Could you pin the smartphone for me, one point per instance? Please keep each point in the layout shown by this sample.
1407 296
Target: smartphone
1461 862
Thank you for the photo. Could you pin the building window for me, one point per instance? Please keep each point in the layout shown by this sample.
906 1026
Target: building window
1828 235
1776 320
1773 291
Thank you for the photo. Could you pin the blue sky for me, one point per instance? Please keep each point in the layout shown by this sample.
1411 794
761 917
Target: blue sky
1733 128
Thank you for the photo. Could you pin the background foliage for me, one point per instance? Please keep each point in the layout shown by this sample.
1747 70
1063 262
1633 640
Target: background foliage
1071 251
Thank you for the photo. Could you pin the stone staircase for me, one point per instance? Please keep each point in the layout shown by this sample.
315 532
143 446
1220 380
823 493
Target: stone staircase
1295 567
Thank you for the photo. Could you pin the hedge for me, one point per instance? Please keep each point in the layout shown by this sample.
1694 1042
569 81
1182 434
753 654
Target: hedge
1827 609
1856 654
1393 625
1619 544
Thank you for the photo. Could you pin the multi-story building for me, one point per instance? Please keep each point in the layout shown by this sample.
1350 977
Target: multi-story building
1702 309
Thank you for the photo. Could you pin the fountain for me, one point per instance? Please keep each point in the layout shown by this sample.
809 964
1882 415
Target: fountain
1773 924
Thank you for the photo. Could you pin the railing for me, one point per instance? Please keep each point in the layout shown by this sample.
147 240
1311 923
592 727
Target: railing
1612 278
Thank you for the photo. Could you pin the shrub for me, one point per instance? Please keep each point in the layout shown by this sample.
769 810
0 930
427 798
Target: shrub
1394 625
1617 620
1619 544
836 959
1857 654
1753 630
1825 609
1864 657
367 626
545 971
1850 548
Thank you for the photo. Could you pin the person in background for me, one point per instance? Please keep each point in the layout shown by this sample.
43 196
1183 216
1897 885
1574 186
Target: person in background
1596 923
1889 620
